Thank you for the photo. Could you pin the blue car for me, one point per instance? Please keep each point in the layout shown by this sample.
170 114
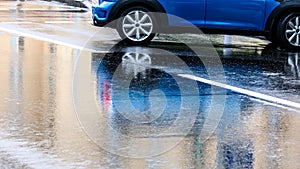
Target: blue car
278 20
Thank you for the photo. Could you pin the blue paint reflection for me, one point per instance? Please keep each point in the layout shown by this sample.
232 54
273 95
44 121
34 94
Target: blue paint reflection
235 152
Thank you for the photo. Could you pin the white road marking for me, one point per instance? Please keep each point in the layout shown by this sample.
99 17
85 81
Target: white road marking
39 37
244 91
59 22
43 9
47 22
16 22
274 104
232 88
33 9
40 9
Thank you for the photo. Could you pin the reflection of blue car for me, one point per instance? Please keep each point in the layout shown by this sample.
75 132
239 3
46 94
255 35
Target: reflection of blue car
278 20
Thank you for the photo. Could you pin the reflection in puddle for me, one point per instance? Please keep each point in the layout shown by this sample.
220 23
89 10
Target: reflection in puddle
262 69
39 128
135 62
293 60
227 41
250 134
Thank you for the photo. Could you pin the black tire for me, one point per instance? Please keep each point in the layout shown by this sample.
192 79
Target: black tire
124 32
286 36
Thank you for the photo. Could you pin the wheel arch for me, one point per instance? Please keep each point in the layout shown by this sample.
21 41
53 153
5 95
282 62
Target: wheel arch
122 5
273 19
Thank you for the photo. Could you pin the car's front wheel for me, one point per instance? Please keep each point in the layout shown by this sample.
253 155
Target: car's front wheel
288 31
136 25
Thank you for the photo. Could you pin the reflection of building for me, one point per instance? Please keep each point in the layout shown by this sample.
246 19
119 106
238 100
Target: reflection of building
36 89
275 134
252 136
36 92
4 73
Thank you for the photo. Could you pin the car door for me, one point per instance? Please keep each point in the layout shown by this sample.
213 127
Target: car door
192 11
235 14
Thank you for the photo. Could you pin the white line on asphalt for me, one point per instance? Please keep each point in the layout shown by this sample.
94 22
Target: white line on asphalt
273 104
43 9
39 9
33 9
17 22
59 22
244 91
20 33
210 82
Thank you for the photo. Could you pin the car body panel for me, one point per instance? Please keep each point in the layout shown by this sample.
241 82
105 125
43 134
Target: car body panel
279 7
101 12
192 11
271 5
241 16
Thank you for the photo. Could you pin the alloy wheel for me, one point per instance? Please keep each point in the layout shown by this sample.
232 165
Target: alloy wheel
292 32
137 25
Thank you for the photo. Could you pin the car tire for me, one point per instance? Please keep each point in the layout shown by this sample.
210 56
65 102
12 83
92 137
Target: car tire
136 26
288 31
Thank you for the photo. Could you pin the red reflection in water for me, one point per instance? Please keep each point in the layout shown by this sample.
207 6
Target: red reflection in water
106 95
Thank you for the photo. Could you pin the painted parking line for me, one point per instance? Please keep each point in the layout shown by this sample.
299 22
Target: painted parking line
257 95
64 22
59 22
192 77
45 9
39 9
33 9
39 37
16 22
46 22
54 10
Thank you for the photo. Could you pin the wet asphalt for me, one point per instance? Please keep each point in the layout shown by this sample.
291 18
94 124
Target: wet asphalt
73 96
